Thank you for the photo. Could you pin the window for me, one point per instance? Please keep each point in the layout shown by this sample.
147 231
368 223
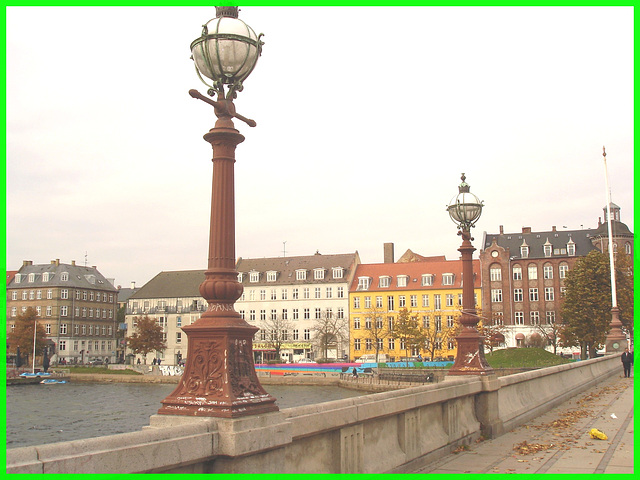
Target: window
252 295
547 272
318 313
425 322
62 345
340 312
296 314
48 311
517 272
517 295
390 303
31 277
363 283
39 311
254 277
252 315
295 294
272 276
389 323
18 278
356 344
425 300
301 274
438 322
356 323
263 294
627 248
318 273
496 295
284 294
307 334
402 301
32 295
340 292
534 318
533 295
274 314
391 343
356 302
307 314
46 276
519 318
178 337
179 320
495 274
437 304
524 251
449 300
14 295
562 270
532 272
550 317
329 292
338 272
263 315
380 343
84 295
447 278
367 302
296 334
274 294
402 280
91 299
285 314
368 344
548 294
64 311
414 301
498 318
305 292
64 277
385 281
378 302
548 249
317 292
47 328
571 248
240 276
427 280
450 321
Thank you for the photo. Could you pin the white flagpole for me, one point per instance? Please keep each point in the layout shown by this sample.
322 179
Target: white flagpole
614 298
35 328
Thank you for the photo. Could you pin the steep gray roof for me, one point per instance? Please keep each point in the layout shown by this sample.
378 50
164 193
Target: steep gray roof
125 293
79 277
618 229
184 283
286 268
537 240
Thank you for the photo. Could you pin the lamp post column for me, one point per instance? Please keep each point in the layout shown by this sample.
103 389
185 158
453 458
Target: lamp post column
219 379
470 350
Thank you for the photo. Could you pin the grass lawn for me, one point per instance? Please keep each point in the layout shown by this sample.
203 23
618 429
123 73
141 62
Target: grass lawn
524 357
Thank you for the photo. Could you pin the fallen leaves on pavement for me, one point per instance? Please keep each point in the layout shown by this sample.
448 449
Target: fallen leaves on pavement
526 448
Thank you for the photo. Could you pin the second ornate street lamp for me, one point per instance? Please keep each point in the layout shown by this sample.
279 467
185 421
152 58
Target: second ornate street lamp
220 379
465 209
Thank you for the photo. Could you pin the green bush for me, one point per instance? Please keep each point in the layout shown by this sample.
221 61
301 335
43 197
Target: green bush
524 358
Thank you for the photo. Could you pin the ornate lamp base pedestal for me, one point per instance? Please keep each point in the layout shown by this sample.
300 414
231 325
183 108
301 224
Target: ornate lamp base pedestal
470 356
220 378
616 340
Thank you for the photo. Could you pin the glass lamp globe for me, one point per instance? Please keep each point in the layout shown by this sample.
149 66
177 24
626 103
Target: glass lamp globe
465 208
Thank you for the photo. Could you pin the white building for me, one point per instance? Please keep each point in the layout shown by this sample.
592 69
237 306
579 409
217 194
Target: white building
297 292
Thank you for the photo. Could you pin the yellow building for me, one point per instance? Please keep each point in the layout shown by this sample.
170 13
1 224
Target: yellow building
431 292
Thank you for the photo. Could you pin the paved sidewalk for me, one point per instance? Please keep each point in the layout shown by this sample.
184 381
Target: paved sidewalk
559 441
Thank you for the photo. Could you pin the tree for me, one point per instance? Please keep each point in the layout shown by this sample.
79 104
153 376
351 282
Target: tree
624 289
406 328
22 335
147 338
374 327
493 332
328 331
552 333
586 311
276 331
435 335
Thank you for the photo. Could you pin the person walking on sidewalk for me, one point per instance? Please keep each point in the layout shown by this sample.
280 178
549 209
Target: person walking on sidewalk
627 361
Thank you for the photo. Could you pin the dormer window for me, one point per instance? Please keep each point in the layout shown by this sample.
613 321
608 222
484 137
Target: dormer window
32 277
363 283
402 280
64 277
548 248
318 273
385 281
254 277
272 276
46 276
447 278
524 251
18 278
301 274
240 277
338 272
427 279
571 248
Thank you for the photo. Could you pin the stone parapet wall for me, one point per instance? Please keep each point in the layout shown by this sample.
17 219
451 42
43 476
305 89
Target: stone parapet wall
388 432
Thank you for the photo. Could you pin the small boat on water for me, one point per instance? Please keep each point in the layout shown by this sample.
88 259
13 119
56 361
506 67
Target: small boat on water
38 374
49 381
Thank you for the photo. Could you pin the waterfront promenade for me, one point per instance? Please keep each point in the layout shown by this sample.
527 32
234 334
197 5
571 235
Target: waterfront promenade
559 441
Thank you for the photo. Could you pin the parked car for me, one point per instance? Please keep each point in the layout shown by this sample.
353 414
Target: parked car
95 362
305 360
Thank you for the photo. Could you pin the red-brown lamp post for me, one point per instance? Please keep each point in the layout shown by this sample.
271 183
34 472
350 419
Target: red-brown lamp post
220 379
465 210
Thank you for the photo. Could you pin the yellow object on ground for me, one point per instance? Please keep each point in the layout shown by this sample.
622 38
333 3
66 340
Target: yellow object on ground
595 433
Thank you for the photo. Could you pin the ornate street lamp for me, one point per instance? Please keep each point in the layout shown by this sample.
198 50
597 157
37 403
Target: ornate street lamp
465 209
219 378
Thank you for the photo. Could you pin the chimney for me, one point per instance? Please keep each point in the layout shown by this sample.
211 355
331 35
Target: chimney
133 285
26 263
526 229
553 228
388 253
73 263
501 229
56 262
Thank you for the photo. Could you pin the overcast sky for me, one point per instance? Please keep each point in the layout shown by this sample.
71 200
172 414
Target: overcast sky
366 118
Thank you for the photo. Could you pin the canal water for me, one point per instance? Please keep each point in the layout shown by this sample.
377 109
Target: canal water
38 414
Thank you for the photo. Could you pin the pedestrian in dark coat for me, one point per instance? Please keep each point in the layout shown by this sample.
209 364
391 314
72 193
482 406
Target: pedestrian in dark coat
627 361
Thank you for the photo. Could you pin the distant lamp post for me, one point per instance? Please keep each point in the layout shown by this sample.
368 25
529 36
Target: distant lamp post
465 209
219 378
